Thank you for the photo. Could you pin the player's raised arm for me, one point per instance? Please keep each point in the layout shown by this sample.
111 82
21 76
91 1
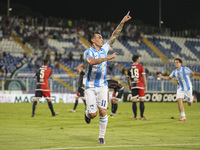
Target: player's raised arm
118 30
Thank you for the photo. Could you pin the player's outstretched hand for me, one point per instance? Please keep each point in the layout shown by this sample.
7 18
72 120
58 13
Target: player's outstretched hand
159 75
126 18
114 55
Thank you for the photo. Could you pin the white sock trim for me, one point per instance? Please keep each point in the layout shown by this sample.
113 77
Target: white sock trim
103 119
183 114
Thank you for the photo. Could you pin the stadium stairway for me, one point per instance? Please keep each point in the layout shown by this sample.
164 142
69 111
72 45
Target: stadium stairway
26 49
156 50
84 42
17 39
64 83
69 71
122 83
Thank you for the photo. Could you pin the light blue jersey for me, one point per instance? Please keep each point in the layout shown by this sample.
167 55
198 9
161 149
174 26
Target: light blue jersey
183 78
96 74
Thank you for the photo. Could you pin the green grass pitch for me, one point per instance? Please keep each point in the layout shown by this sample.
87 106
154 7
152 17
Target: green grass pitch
19 131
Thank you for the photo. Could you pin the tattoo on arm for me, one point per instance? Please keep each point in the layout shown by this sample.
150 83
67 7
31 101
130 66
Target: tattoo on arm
116 33
196 74
98 61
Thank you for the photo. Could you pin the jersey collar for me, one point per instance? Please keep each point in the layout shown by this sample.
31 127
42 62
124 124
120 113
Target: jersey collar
44 66
179 69
92 48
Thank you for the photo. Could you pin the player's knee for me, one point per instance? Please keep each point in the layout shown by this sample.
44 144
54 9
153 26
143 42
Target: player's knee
114 101
93 115
134 100
102 112
189 104
179 100
36 99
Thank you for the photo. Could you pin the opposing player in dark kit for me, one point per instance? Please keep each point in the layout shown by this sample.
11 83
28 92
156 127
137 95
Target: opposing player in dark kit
138 85
81 90
42 87
116 96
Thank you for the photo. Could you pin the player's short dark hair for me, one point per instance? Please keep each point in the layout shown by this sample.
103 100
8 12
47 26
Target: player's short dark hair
179 59
45 61
135 58
91 35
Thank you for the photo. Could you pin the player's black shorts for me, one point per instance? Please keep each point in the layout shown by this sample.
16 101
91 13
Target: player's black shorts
43 93
118 93
81 92
138 92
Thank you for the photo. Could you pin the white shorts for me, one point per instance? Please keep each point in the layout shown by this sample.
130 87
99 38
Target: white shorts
185 94
96 97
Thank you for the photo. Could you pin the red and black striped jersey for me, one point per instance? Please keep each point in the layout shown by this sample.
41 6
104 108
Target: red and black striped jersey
135 74
42 75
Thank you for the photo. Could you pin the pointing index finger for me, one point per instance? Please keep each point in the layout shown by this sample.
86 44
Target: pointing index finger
128 13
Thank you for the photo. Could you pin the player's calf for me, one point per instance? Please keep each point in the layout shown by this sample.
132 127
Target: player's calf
33 108
103 121
51 108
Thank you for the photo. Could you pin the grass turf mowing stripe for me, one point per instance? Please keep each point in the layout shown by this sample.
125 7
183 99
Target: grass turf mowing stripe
90 147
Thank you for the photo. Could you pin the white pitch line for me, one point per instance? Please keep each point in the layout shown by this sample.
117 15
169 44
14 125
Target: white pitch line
90 147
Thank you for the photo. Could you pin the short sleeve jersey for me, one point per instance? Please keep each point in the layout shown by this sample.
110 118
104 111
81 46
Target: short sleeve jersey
135 74
183 78
42 75
96 74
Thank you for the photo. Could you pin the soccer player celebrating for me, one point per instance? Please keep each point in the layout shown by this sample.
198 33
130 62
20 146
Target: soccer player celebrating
96 84
42 87
117 95
81 91
184 87
138 85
